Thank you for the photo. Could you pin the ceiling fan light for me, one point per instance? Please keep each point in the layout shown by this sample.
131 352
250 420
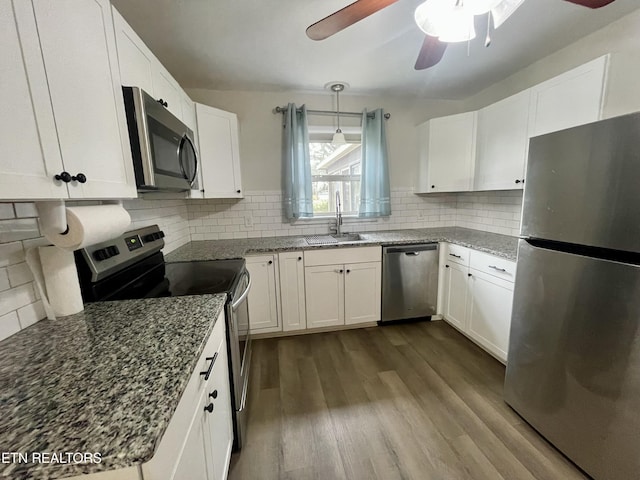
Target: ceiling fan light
446 20
338 138
504 10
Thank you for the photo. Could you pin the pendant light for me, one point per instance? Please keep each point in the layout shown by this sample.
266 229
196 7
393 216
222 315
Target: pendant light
338 137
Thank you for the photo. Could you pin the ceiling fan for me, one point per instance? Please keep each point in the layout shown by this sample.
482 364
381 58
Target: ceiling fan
431 17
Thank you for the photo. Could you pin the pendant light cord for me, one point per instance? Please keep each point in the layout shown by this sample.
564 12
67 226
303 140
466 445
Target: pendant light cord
338 108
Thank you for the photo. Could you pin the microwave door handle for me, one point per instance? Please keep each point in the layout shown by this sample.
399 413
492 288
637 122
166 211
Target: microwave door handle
184 140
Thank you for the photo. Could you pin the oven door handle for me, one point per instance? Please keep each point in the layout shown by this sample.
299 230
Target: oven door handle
236 304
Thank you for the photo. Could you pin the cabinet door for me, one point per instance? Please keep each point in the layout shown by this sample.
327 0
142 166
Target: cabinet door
262 300
30 156
79 52
362 292
219 152
294 316
324 293
571 99
451 152
135 59
193 462
218 422
490 302
503 142
165 88
456 294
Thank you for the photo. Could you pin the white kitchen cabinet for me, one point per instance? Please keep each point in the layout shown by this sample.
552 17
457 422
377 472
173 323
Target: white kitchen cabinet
362 292
73 43
455 294
293 305
134 57
477 293
342 286
602 88
447 153
166 89
197 442
503 143
262 299
489 311
324 285
219 152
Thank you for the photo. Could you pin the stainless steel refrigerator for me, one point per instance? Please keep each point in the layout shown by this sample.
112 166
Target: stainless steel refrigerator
573 368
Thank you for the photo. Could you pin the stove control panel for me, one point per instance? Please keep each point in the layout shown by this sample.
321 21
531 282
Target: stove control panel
103 259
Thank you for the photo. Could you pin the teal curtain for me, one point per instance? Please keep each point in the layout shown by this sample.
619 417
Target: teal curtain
298 196
375 195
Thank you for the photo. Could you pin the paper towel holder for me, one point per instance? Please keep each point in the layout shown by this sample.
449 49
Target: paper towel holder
53 217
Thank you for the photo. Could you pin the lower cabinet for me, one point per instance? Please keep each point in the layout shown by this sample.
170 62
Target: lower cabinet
342 286
477 296
197 443
292 301
263 296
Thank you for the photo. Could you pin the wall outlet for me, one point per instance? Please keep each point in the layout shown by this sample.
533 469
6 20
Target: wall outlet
248 219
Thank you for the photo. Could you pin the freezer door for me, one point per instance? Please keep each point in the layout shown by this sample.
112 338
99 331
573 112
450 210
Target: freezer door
582 185
573 369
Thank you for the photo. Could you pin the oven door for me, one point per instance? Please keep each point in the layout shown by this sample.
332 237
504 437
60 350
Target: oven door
240 354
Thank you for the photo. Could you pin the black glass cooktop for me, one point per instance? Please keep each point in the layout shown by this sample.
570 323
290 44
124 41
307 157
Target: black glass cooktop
196 278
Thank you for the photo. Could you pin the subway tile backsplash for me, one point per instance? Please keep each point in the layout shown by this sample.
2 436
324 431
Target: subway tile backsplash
259 214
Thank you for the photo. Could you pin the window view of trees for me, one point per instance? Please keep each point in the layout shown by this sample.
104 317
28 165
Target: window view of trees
335 168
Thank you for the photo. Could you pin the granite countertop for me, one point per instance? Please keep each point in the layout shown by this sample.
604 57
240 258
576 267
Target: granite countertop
105 380
500 245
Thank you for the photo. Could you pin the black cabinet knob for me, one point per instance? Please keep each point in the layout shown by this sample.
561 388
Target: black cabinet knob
433 186
468 274
209 408
270 262
64 176
518 181
237 191
214 394
79 178
341 271
299 258
348 271
446 266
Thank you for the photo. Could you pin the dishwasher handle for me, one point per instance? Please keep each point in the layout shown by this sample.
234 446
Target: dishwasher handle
411 250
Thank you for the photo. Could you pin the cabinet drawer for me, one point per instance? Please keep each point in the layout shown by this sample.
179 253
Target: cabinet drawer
496 266
337 256
456 254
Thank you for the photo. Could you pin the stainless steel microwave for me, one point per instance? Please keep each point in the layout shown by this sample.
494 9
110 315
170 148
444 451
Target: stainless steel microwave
163 150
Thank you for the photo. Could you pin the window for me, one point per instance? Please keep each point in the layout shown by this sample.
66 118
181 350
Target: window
335 168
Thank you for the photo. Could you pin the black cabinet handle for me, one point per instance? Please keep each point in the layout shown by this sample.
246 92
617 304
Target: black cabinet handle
162 102
207 374
341 271
433 186
79 178
468 274
237 191
270 262
454 255
64 177
214 394
518 181
209 408
348 271
446 266
299 258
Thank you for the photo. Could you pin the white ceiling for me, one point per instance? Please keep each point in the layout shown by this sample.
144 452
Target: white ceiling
262 45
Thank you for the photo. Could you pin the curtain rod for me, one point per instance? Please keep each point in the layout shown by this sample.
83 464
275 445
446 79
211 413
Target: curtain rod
332 113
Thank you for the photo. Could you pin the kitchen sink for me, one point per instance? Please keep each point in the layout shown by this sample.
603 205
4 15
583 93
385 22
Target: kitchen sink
332 239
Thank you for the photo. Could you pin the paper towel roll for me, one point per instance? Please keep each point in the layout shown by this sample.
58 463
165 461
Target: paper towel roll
61 281
90 225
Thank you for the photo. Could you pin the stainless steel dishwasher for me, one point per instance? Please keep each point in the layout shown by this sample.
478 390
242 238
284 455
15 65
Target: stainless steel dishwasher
409 282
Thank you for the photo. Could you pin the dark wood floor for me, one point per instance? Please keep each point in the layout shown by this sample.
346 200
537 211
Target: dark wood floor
412 401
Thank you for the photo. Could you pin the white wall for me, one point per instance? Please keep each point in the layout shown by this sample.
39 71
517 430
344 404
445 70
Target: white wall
261 130
622 35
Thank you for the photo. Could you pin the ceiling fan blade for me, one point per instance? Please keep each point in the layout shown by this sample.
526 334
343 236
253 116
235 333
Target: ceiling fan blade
346 17
591 3
431 52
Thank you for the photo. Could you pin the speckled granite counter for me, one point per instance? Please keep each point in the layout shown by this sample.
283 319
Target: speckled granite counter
499 245
104 380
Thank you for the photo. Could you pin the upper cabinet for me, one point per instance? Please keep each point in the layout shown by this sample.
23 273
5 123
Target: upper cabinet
139 67
219 152
602 88
61 83
447 153
503 143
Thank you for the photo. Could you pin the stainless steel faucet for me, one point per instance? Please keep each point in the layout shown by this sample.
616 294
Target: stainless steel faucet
338 214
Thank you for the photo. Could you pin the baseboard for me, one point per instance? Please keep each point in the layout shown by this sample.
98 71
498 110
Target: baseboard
336 328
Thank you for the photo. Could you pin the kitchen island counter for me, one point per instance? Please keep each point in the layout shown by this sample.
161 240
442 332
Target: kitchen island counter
106 381
500 245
